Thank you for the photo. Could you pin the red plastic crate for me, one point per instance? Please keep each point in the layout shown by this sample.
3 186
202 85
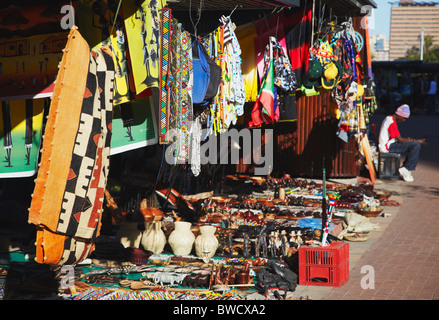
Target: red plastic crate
324 266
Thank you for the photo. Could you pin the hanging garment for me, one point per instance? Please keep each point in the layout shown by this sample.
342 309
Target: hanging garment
278 77
175 82
177 97
275 29
69 190
287 105
206 75
118 44
20 139
245 35
232 51
186 104
341 52
284 76
143 33
264 108
165 51
298 40
214 45
97 20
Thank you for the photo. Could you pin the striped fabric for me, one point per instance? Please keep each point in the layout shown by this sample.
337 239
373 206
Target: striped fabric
165 52
69 190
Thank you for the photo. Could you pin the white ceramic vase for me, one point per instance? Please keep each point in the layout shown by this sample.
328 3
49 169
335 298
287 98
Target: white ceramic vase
206 243
128 235
181 239
153 238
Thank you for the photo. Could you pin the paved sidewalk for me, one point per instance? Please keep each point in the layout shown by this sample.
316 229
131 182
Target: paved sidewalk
404 253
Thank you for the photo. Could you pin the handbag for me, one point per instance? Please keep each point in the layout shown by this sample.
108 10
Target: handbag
206 74
201 74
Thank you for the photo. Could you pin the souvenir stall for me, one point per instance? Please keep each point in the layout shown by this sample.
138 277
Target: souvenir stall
131 77
318 112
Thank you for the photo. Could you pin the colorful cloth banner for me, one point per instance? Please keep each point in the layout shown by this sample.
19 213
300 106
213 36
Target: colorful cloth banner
140 132
143 33
69 190
165 55
21 123
96 22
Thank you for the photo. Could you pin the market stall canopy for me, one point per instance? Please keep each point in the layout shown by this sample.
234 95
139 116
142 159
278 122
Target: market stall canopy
337 5
353 7
230 4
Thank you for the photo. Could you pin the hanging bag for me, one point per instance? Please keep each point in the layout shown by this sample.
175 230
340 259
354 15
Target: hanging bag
207 75
201 74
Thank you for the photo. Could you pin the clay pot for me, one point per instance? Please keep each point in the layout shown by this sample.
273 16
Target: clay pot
153 238
181 239
206 243
129 235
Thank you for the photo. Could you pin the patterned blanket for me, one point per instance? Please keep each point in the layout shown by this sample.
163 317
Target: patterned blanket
69 189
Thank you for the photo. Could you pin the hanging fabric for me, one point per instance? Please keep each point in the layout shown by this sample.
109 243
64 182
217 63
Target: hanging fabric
278 77
298 34
201 71
143 33
245 35
235 92
165 56
134 125
263 109
175 82
273 27
123 92
186 104
20 159
224 48
69 190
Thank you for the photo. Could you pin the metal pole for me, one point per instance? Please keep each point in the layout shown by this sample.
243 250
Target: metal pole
422 45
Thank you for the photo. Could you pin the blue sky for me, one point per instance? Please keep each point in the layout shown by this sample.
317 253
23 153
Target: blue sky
380 19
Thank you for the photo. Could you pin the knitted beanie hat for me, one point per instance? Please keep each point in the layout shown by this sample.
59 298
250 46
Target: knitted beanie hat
403 111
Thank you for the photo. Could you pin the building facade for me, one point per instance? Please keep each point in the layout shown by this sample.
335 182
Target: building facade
379 47
408 20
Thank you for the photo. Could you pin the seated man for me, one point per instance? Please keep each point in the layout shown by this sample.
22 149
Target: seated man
390 140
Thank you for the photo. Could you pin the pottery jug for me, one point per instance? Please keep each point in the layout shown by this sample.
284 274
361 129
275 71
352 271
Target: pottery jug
153 238
181 239
206 243
128 235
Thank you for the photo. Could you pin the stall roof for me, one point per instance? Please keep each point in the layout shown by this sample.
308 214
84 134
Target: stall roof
342 6
349 7
230 4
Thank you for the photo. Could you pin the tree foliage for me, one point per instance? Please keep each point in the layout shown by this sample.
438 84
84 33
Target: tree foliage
431 51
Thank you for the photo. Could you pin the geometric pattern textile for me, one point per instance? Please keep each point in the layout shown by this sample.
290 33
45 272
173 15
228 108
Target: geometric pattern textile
69 190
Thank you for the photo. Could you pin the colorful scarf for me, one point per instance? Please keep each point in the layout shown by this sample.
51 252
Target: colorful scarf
165 51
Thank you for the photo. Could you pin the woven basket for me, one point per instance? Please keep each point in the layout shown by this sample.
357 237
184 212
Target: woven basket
370 213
